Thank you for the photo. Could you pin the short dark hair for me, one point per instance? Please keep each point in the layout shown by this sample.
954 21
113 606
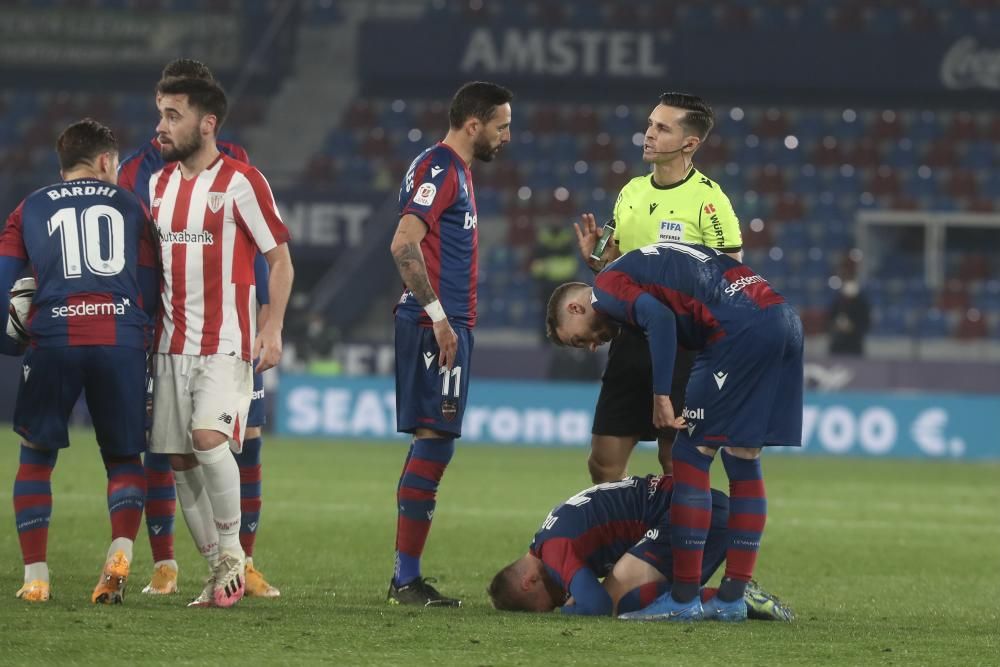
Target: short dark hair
187 67
554 311
477 99
503 590
83 141
699 119
205 95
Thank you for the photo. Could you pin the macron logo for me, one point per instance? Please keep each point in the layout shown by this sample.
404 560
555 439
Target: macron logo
27 371
435 170
720 378
428 359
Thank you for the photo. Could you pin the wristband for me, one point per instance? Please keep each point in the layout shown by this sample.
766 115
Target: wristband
435 311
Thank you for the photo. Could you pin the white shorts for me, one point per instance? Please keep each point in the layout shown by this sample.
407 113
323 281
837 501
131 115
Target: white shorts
192 392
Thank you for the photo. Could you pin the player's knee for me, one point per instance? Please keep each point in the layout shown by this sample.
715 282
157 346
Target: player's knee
183 462
205 439
603 471
744 452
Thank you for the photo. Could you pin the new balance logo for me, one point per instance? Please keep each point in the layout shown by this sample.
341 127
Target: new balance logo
435 170
652 207
428 359
720 378
227 418
27 371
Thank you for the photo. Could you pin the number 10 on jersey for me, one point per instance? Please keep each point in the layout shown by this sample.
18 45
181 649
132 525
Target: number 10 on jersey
86 228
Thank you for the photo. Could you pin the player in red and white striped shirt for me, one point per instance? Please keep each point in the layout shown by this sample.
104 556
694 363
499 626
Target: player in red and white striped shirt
213 213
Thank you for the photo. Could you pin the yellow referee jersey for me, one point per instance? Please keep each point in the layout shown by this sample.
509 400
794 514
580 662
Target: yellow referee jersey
694 210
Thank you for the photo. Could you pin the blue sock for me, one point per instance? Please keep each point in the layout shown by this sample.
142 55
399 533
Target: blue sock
416 498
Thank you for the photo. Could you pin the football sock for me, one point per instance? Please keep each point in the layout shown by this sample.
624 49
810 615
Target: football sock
250 487
33 508
416 498
197 511
126 494
642 596
747 516
690 517
222 482
122 544
161 505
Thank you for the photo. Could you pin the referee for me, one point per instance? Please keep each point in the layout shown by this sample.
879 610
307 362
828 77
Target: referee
675 203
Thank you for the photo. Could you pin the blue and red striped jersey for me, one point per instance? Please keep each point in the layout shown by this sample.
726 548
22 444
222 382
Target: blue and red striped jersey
597 526
711 294
136 171
438 189
85 241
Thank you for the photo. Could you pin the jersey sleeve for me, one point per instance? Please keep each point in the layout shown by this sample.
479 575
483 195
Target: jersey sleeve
622 213
261 274
234 151
434 189
12 237
561 559
615 294
720 228
254 208
589 596
126 175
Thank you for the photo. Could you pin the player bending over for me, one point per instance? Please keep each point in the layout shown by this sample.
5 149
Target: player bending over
745 392
619 531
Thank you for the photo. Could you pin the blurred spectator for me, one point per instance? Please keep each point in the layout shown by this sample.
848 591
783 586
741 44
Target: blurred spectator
850 318
554 261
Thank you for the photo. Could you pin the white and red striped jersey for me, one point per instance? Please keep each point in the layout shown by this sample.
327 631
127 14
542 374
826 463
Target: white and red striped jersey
210 228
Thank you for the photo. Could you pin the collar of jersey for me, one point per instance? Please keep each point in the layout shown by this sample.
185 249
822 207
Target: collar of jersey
672 185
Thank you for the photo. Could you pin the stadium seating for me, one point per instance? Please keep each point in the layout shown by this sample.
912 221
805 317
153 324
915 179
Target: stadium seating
798 174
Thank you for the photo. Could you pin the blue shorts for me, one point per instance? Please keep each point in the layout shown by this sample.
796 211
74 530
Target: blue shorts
746 389
257 415
428 396
113 381
654 548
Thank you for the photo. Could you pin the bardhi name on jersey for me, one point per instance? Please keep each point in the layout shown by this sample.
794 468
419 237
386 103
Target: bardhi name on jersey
438 189
85 240
210 229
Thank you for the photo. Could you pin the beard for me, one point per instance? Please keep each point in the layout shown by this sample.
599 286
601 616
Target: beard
182 150
483 151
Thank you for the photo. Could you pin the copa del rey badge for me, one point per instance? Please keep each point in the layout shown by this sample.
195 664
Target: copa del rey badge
216 200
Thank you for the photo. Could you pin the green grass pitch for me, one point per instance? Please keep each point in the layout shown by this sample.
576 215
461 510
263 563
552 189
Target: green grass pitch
886 563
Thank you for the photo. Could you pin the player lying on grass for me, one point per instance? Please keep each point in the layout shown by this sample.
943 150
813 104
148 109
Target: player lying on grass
619 531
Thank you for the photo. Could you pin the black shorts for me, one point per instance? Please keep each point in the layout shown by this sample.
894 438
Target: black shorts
625 406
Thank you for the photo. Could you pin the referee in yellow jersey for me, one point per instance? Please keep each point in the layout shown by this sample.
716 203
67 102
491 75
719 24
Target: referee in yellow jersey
675 203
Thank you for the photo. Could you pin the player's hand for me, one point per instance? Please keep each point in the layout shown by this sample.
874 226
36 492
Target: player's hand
267 348
663 413
447 341
587 235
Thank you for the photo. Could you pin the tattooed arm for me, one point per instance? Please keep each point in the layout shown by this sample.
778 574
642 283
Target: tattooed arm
413 270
